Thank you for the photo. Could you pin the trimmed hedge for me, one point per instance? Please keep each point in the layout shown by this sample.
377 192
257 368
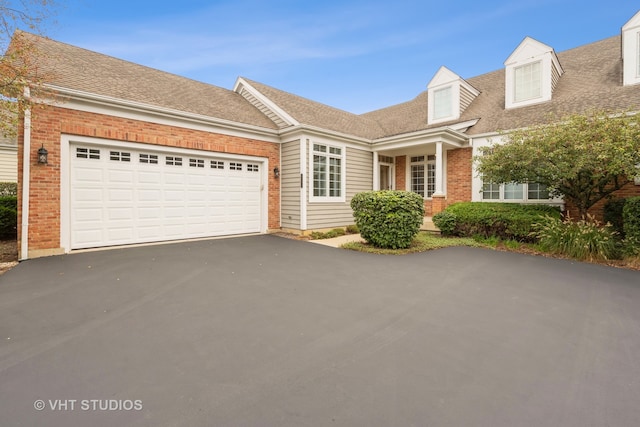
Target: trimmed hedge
8 216
388 219
631 219
508 221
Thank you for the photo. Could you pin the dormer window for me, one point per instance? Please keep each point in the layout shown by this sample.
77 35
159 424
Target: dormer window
527 81
532 73
442 103
449 95
631 51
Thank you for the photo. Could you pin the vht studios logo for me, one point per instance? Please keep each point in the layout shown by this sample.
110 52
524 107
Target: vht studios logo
88 405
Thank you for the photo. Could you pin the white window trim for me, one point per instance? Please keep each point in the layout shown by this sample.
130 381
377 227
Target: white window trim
454 113
524 199
515 83
343 169
426 174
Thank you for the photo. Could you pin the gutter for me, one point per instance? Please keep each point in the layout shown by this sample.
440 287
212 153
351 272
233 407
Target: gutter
26 173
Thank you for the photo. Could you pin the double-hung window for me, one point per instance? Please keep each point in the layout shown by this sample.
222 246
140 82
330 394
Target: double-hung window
515 191
423 175
443 103
328 173
527 82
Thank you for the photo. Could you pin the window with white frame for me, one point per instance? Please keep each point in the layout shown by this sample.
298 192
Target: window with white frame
514 191
423 175
442 103
328 169
527 82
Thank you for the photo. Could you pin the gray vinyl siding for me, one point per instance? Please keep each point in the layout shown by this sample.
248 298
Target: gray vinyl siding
466 97
290 185
359 177
555 77
8 163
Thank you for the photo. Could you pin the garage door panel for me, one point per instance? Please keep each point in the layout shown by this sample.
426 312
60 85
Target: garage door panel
122 196
119 214
120 176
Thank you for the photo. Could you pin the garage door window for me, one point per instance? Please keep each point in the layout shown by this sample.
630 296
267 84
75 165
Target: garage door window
119 156
196 163
87 153
217 164
149 159
173 161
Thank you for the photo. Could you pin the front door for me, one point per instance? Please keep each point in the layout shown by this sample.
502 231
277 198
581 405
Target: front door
386 176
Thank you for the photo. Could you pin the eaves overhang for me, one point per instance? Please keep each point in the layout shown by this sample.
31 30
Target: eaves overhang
65 95
306 130
449 137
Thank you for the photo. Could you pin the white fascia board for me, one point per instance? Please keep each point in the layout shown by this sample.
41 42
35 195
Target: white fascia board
100 104
442 134
266 101
295 131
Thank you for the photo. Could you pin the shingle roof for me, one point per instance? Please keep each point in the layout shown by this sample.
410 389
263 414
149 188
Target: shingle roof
592 80
319 115
79 69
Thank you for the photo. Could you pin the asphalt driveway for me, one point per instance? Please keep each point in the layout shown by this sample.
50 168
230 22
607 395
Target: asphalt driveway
267 331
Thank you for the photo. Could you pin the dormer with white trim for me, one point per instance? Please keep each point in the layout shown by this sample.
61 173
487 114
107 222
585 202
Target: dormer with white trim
631 51
449 95
532 73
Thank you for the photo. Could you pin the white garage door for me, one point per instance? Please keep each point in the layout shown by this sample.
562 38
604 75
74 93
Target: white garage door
122 196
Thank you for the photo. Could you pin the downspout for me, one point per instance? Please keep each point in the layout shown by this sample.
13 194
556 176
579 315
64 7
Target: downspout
26 173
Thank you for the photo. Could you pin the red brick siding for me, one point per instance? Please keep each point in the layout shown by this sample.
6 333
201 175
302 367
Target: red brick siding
47 126
597 210
459 175
401 173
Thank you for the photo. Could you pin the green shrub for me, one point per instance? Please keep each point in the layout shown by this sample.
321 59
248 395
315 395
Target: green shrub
389 218
631 221
507 221
8 189
319 235
10 202
8 216
352 229
446 222
8 222
613 214
586 239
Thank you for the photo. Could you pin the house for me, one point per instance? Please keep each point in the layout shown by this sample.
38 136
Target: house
139 155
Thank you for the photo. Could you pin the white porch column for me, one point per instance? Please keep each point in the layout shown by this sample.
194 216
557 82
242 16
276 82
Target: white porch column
439 171
376 171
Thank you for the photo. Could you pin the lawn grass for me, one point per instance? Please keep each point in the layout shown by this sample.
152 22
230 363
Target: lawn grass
424 241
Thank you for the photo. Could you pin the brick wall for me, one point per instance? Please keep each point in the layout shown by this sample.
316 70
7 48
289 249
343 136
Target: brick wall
47 126
459 175
401 173
597 210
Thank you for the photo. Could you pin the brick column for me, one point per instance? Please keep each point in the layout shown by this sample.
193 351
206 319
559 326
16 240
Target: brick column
439 202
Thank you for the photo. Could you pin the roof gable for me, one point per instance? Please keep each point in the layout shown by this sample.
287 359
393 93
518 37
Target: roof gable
527 50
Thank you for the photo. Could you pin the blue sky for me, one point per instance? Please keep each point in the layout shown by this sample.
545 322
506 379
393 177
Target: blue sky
354 55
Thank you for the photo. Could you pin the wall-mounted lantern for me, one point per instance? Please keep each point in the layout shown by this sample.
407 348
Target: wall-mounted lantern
276 172
42 155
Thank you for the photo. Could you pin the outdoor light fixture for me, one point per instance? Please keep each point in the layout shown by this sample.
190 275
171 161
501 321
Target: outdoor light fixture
276 172
42 155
